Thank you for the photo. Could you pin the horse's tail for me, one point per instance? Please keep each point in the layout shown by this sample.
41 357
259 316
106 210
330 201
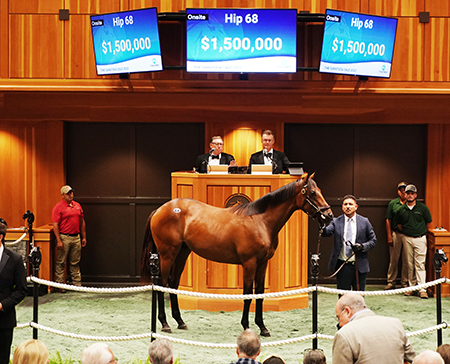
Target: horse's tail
148 247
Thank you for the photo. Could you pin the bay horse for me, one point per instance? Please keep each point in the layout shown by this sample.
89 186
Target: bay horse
245 234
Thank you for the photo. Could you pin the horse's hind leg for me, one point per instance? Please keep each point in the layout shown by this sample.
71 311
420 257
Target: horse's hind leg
174 281
259 288
249 269
162 313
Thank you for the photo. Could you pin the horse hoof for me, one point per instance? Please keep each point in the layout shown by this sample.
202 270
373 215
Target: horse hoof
265 332
183 326
166 328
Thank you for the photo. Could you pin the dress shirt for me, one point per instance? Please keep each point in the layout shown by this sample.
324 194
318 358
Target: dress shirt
215 161
267 160
352 220
2 247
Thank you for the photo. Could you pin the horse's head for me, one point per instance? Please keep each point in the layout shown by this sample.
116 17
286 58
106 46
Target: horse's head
311 200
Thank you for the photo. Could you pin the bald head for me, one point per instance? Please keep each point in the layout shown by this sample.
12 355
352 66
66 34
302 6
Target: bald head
428 357
347 306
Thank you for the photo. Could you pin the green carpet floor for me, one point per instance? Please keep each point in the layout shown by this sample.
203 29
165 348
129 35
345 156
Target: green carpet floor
129 314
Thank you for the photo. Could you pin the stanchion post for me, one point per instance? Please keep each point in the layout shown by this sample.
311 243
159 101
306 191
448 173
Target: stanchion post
315 270
439 257
154 271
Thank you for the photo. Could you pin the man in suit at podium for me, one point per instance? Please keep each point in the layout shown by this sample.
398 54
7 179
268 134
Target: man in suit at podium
269 156
215 156
13 289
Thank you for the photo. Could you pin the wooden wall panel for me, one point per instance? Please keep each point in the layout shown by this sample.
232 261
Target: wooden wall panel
319 6
36 48
407 64
79 50
35 6
32 155
396 7
4 39
93 6
437 197
437 50
437 8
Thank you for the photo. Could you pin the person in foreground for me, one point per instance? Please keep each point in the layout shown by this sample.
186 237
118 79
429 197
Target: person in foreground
444 351
160 351
273 359
31 352
13 289
314 357
428 357
248 347
98 353
366 338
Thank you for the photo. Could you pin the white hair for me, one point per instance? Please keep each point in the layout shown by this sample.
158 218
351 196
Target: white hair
97 353
160 351
428 357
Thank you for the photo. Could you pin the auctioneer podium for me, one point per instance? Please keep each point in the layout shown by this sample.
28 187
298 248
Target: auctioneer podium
288 268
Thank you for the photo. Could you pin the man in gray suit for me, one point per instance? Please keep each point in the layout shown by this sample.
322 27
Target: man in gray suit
366 338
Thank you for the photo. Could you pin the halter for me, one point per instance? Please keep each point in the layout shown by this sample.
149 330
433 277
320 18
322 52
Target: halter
306 199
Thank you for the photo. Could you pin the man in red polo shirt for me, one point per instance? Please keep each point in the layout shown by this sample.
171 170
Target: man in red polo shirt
68 224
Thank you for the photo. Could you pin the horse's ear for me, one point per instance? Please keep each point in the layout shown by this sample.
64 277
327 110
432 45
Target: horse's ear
312 175
305 176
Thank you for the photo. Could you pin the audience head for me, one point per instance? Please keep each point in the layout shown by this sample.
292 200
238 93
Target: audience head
3 227
160 351
248 344
273 359
347 306
428 357
98 353
314 357
31 352
444 351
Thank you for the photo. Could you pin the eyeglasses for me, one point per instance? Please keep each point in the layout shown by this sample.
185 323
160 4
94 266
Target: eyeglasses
217 143
338 317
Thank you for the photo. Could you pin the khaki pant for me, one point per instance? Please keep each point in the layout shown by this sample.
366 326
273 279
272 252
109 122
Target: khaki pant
395 251
416 250
72 253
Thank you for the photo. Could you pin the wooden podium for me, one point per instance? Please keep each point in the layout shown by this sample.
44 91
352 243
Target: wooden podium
288 268
438 239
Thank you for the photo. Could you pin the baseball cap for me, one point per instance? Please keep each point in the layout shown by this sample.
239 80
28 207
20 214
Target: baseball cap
401 184
411 188
65 189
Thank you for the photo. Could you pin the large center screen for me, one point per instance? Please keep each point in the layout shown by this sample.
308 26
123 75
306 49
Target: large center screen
126 42
241 40
357 44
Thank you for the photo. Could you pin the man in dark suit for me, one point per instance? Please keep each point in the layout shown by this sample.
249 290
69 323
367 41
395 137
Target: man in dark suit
215 157
13 289
269 156
353 238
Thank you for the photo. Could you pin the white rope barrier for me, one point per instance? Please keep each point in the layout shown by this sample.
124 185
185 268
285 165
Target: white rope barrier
220 296
235 296
17 241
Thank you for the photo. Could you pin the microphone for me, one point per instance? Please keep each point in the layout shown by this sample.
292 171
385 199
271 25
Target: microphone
212 150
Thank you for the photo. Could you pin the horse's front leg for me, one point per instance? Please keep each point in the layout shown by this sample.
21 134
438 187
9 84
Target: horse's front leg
249 269
162 313
259 288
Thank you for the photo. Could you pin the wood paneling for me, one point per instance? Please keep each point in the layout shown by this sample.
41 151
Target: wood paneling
79 50
437 50
31 153
407 64
438 175
35 6
93 6
396 7
319 6
437 8
36 47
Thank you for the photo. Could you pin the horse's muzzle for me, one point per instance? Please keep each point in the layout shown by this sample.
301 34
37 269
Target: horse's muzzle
325 216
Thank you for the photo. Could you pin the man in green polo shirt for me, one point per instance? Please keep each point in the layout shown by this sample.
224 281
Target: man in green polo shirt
414 218
394 239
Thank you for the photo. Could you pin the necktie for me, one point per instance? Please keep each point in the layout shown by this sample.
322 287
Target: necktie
348 238
214 156
268 155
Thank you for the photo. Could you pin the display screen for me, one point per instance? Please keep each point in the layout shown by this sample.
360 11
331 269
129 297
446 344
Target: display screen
241 40
126 42
357 44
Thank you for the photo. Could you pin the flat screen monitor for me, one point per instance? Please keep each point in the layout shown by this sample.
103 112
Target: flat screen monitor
126 42
241 40
357 44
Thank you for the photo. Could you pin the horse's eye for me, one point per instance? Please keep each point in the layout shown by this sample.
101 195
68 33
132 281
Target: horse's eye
313 193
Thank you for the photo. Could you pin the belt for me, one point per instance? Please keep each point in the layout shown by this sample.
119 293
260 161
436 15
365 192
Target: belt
415 236
351 262
70 234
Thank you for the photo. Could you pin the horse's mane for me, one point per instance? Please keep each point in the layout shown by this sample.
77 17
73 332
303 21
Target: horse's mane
272 199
